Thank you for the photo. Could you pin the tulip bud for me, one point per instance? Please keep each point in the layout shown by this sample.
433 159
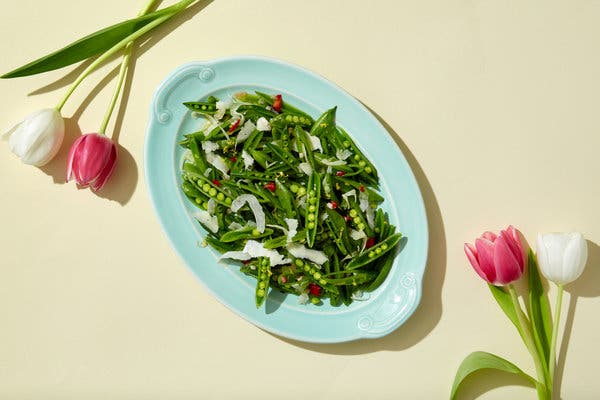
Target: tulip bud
561 256
498 259
37 139
92 159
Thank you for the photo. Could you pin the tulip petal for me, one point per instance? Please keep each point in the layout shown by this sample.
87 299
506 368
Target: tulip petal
38 138
574 258
107 170
508 267
513 240
485 256
49 140
6 135
555 244
23 136
471 253
542 258
73 157
491 236
95 155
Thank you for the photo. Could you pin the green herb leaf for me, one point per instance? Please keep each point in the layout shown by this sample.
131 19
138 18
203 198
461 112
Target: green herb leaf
504 301
481 360
86 47
539 309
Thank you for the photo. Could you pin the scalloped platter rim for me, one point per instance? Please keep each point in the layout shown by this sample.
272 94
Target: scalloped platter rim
377 313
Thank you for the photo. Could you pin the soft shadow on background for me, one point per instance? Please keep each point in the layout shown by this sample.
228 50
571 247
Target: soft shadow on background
122 184
588 285
429 311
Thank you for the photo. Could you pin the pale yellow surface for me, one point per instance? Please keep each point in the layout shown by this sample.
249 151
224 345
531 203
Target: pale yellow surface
496 104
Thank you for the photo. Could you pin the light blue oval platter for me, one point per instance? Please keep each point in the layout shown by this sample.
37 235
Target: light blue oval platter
378 313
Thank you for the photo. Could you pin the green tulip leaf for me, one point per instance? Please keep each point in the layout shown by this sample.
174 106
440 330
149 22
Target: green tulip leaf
88 46
481 360
539 309
504 301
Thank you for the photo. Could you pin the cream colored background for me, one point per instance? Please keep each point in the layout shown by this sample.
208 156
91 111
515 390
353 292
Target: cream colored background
495 104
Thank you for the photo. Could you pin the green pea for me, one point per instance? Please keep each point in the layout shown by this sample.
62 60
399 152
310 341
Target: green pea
260 292
295 119
346 143
198 200
317 275
368 170
371 254
378 250
353 213
262 285
312 208
384 246
311 193
256 232
294 188
311 217
361 226
362 164
299 262
356 220
228 201
220 197
312 200
323 282
212 192
307 268
311 225
206 187
356 157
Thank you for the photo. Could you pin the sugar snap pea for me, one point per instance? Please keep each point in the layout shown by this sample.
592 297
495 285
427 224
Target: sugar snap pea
374 252
262 281
302 180
313 197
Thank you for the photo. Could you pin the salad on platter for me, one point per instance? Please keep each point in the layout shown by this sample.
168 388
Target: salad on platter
290 198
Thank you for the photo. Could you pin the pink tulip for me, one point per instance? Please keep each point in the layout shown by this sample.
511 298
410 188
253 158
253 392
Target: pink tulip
92 159
498 259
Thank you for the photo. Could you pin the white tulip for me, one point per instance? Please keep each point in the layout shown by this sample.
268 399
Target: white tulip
38 138
561 256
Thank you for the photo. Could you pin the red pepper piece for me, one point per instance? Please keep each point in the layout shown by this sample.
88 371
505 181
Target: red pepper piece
361 188
333 204
233 158
270 187
216 182
234 126
277 103
347 218
340 173
370 243
314 289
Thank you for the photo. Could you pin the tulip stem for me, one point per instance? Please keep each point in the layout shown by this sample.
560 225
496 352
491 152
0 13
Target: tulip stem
123 72
542 388
120 45
552 358
121 79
